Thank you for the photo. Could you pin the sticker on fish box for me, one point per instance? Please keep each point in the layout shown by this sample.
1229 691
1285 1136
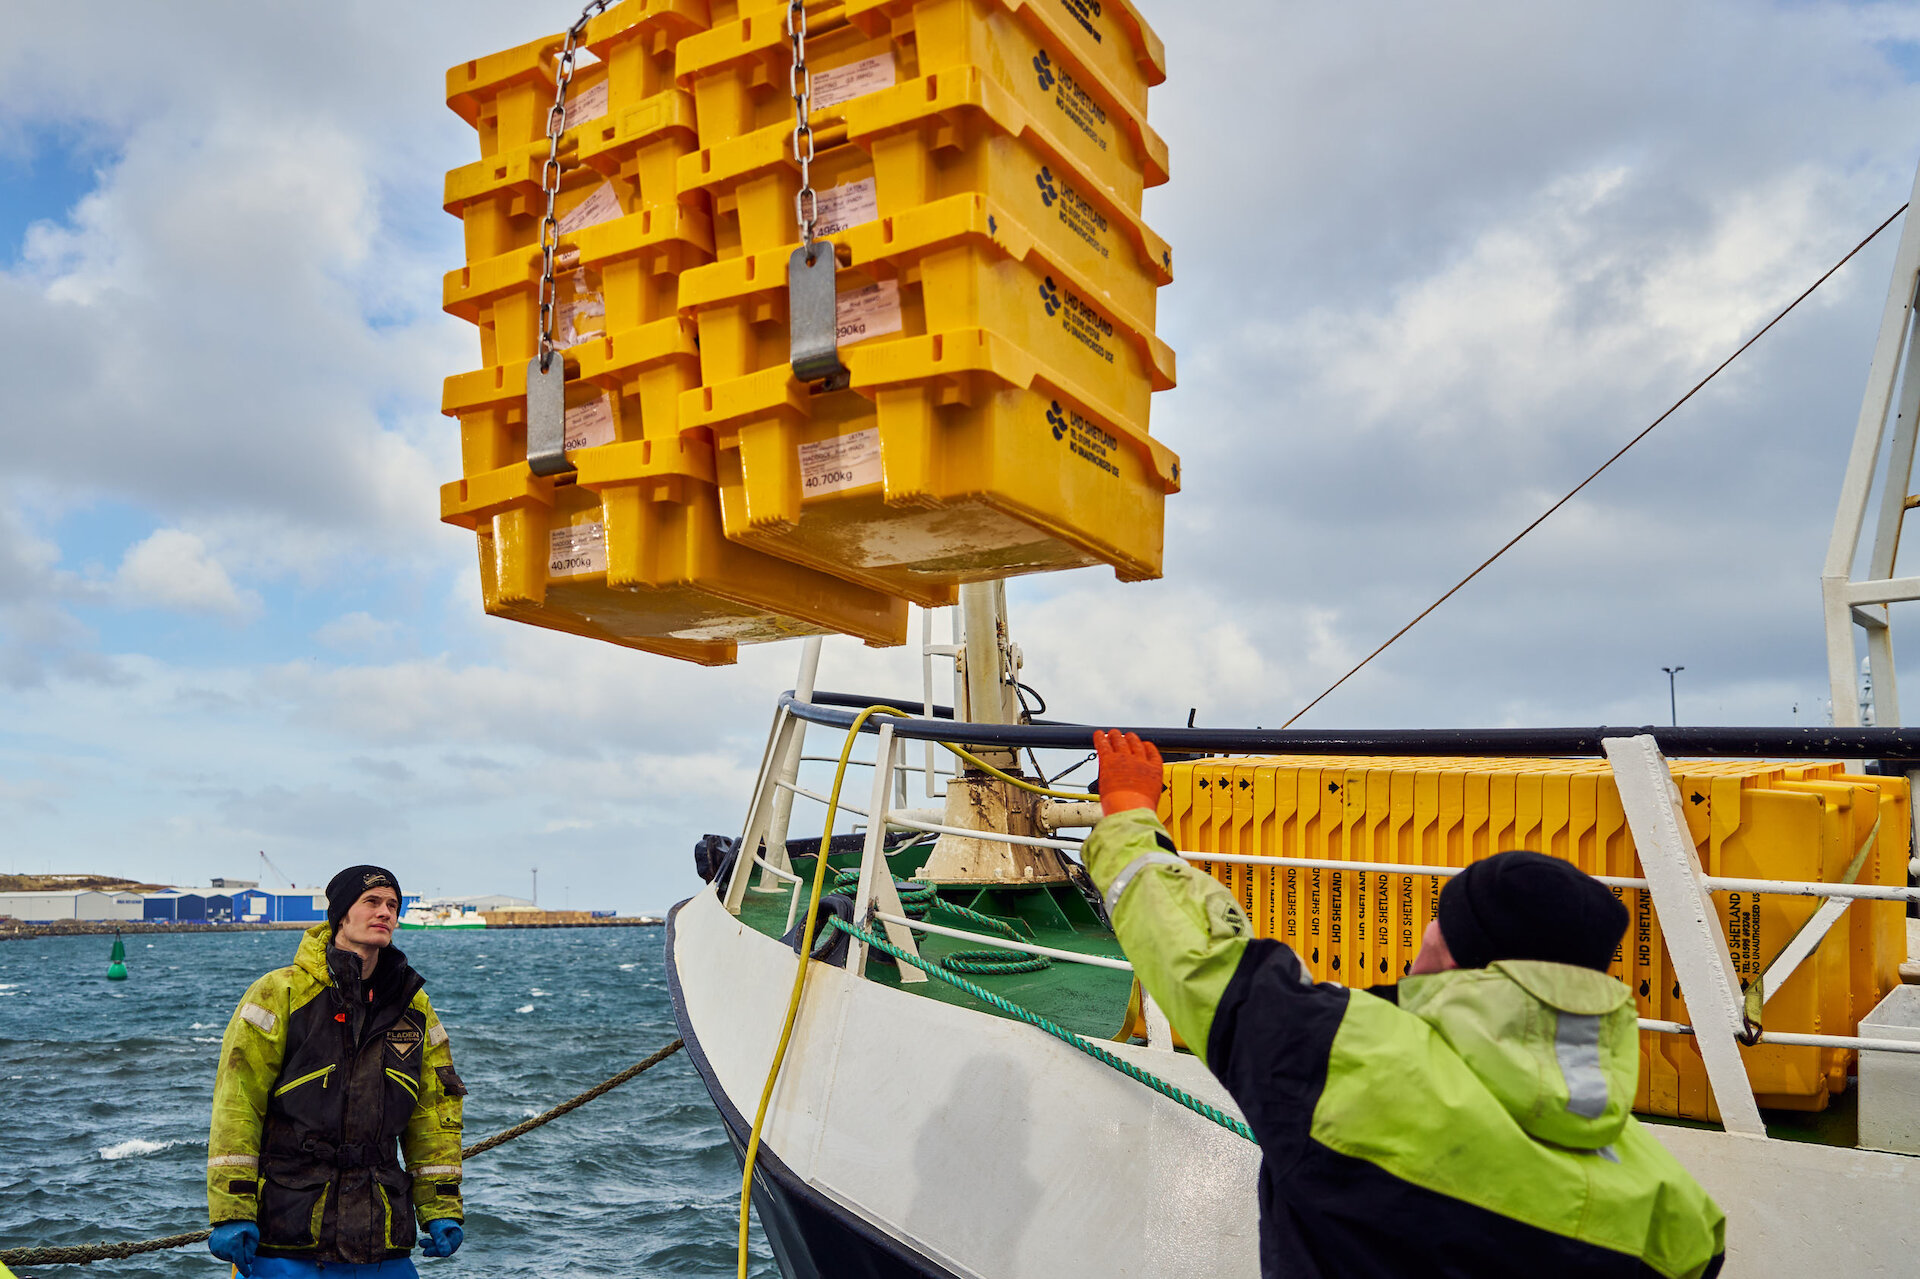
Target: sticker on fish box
590 425
846 206
602 206
871 312
578 550
581 312
856 79
588 104
841 462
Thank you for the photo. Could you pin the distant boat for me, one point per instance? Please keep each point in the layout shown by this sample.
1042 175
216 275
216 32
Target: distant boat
443 915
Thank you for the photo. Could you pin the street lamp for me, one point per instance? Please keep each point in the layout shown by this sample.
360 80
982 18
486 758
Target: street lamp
1673 707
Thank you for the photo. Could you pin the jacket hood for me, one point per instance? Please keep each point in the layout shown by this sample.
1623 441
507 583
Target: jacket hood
1557 1045
312 954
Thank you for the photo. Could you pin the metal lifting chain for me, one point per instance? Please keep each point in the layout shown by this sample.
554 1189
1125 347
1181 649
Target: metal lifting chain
806 203
547 383
550 177
813 321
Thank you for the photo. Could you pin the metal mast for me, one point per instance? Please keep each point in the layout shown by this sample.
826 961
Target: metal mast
1852 597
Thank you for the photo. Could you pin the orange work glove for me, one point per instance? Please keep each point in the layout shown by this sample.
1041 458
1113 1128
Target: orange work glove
1130 771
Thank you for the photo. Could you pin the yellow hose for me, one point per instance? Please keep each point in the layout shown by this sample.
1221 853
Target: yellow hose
806 935
799 982
1010 779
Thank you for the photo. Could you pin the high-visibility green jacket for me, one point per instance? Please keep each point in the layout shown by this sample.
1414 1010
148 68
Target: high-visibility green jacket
312 1094
1467 1123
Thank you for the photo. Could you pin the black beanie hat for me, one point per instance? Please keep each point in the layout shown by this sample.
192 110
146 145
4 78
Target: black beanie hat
1521 905
344 889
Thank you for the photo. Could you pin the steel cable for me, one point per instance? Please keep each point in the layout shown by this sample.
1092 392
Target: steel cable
1575 490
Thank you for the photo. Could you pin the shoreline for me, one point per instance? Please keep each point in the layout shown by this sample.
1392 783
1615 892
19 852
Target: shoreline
12 930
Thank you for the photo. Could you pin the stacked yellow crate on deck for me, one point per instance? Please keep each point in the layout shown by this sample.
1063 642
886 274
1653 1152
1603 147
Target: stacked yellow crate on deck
1749 820
979 169
629 547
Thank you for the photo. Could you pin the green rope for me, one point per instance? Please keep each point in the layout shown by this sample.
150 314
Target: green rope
1061 1033
919 900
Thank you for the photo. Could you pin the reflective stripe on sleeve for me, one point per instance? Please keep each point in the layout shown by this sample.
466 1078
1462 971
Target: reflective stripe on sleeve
260 1017
1134 867
438 1170
436 1035
234 1161
1576 1045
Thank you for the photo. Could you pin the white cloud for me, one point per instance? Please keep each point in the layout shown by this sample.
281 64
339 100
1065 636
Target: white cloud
173 569
357 632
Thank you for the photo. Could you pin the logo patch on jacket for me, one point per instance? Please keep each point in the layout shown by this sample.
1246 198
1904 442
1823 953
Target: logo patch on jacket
404 1038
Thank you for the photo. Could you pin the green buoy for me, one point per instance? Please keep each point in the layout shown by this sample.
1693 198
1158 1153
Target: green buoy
117 962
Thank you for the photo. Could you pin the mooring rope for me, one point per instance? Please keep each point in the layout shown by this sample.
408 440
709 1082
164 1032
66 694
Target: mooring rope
1170 1091
82 1254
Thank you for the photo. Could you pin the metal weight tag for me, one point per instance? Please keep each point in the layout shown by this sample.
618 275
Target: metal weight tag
814 321
547 417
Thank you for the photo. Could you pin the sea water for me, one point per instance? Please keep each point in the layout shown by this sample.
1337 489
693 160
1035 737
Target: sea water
105 1088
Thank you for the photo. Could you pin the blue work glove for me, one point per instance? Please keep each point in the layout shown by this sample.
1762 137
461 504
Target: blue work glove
235 1241
442 1238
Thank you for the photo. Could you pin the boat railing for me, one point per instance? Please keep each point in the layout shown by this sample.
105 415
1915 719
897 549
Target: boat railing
1678 888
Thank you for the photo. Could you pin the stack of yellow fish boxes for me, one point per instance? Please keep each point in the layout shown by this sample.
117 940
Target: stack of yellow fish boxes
629 547
979 165
980 168
1749 820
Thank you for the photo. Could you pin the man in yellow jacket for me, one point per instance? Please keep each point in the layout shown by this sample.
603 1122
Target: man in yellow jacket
326 1065
1471 1122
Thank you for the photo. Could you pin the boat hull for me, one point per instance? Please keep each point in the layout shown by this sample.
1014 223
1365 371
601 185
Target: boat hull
913 1137
910 1136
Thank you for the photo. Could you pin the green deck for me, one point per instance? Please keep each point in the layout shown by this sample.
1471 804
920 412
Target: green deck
1088 1000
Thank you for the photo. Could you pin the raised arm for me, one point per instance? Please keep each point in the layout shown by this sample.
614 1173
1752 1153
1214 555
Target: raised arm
1181 928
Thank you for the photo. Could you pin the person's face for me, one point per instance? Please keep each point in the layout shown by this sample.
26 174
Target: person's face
1434 957
369 921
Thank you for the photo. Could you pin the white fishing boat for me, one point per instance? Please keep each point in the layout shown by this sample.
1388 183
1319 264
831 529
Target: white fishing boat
441 915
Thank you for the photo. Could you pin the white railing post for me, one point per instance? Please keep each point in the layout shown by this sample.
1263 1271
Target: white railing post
1695 936
760 811
875 890
789 766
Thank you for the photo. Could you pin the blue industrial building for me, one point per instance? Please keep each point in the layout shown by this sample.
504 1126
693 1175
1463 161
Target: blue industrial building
248 906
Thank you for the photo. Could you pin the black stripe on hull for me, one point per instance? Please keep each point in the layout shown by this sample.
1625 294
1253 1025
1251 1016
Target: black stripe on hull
812 1237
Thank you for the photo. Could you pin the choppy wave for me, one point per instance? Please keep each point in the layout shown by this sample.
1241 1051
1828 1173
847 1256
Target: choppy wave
134 1146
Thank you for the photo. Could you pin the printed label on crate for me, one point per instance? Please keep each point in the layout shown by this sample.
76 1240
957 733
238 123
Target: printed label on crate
602 206
843 462
591 424
871 312
1084 12
1084 438
588 104
845 206
578 549
1084 324
1080 108
843 84
1079 215
581 312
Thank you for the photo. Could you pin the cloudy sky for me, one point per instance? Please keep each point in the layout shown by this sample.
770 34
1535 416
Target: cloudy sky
1435 263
